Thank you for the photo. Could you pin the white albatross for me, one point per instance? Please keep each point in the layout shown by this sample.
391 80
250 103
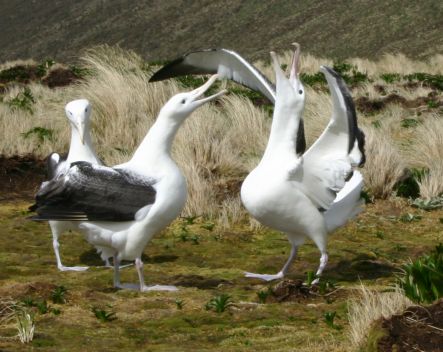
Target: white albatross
121 208
313 194
81 148
227 64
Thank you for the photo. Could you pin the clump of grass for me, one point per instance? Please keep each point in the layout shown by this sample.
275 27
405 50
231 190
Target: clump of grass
25 326
103 315
22 101
408 217
391 77
58 295
263 295
350 73
422 279
369 306
179 303
310 277
23 318
219 303
329 320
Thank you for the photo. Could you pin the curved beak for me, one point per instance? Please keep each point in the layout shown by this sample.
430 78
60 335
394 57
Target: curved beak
196 93
80 125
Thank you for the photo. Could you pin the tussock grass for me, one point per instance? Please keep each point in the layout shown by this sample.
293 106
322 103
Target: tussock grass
370 306
222 142
384 166
429 154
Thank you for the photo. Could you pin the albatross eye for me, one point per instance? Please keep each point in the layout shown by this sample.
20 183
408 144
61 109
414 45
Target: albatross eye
300 92
183 101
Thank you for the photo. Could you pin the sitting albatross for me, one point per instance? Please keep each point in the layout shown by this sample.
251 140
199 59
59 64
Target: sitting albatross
81 149
121 208
227 64
313 194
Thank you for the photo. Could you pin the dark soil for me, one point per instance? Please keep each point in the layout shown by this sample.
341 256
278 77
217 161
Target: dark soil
417 329
20 177
290 290
368 106
60 77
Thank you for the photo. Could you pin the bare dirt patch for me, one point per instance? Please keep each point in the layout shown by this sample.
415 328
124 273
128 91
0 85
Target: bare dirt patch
417 329
20 176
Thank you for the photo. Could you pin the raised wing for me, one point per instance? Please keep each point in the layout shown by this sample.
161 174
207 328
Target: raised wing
227 63
230 65
328 163
95 193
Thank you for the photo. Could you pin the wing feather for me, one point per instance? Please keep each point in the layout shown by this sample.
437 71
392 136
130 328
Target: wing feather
91 192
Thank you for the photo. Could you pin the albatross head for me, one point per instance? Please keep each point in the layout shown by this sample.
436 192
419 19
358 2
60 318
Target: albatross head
183 104
78 112
290 90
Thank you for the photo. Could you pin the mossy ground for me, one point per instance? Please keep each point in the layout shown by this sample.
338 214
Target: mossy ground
203 263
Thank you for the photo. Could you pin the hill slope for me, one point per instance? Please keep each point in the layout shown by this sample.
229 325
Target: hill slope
161 30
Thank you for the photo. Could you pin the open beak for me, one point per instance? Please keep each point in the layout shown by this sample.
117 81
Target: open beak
196 93
295 66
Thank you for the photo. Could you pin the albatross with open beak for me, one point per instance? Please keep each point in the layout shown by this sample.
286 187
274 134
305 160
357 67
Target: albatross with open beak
119 209
312 194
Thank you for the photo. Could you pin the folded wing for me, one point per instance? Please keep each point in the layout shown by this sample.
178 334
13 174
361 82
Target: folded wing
95 193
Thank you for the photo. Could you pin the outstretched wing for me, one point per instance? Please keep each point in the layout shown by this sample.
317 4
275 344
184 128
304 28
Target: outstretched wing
95 193
227 64
328 163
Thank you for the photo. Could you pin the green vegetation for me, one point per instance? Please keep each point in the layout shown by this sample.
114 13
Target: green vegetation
329 320
219 303
23 100
422 279
40 133
58 295
103 315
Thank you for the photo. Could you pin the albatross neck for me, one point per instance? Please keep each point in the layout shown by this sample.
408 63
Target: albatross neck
283 136
78 150
158 142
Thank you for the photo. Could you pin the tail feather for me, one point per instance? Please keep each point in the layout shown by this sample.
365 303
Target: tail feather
347 204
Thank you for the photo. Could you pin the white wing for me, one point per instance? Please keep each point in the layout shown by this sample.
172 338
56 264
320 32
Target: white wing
328 163
227 63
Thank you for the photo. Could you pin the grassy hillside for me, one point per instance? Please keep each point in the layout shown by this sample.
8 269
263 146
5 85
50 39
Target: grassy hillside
161 30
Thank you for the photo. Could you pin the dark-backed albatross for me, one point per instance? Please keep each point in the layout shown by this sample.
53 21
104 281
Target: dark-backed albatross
119 209
312 194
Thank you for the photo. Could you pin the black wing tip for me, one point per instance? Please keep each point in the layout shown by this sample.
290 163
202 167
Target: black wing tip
167 71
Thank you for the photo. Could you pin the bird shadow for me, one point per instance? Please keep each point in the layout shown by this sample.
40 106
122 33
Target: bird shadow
197 281
92 258
362 267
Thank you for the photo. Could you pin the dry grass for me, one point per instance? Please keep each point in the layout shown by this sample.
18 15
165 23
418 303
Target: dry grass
429 154
221 142
370 306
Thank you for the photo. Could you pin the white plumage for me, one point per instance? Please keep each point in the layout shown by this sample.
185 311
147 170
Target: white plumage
308 195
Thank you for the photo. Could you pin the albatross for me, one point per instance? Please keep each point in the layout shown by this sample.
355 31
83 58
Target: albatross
230 65
78 113
309 195
120 208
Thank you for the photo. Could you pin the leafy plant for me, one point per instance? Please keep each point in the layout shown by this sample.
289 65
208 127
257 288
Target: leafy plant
103 315
432 104
428 204
43 307
44 67
310 277
195 239
422 279
380 235
208 226
409 217
179 303
23 101
219 303
433 81
80 72
329 320
263 295
350 73
390 77
408 123
325 286
41 133
25 326
58 295
314 79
